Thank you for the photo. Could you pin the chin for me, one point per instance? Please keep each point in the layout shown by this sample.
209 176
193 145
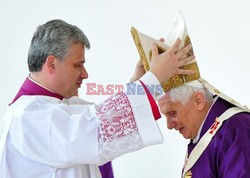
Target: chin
70 95
67 97
186 136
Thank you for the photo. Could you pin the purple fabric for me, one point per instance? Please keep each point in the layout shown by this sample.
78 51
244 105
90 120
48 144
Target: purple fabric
106 170
31 88
228 154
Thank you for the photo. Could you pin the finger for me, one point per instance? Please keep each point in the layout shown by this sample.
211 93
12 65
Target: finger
139 63
185 72
175 46
185 61
162 40
183 52
155 52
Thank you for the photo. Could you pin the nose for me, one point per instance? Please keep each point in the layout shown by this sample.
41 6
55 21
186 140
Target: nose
84 73
171 123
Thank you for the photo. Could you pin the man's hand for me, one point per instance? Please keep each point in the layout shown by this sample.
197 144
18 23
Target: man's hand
139 69
167 64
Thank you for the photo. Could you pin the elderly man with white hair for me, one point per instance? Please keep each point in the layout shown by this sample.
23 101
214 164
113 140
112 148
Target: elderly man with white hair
219 131
218 127
216 148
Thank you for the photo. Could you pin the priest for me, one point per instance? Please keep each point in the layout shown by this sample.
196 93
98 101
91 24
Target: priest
50 133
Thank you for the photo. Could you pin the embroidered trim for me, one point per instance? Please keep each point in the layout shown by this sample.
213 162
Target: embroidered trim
117 131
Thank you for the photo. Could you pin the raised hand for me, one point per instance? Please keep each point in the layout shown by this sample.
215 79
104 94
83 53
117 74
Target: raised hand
167 64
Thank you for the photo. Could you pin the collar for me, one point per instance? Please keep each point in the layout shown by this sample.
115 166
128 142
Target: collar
39 84
31 87
199 131
217 108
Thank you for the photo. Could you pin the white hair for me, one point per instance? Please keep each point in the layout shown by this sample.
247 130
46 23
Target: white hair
183 93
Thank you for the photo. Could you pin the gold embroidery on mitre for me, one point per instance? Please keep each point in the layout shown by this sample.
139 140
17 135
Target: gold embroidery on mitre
186 42
140 48
176 80
179 80
188 175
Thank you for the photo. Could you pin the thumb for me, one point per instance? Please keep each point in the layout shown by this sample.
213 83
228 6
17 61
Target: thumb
155 52
139 63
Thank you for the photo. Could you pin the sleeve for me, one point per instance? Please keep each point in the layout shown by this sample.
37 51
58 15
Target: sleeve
234 150
105 169
62 135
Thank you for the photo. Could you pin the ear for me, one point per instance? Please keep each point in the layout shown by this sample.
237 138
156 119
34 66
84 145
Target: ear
199 100
50 64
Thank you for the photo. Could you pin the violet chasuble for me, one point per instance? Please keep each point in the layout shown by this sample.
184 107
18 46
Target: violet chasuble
228 151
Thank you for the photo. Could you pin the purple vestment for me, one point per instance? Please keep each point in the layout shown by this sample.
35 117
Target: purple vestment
31 88
228 154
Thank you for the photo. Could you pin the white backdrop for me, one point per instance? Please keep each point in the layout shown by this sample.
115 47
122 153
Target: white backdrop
219 30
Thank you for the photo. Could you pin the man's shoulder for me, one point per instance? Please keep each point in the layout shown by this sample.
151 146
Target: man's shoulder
237 123
34 100
76 100
240 119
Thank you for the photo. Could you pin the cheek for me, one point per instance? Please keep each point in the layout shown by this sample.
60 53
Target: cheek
73 74
186 113
189 122
78 73
186 116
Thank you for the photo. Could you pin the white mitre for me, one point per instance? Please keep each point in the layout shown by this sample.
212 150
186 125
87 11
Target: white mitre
178 30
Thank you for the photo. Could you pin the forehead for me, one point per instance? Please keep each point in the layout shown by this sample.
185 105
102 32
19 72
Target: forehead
170 105
173 105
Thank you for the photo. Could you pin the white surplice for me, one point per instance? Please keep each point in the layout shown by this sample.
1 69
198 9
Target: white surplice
45 137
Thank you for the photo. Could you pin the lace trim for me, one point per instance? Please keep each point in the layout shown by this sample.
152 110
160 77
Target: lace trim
117 130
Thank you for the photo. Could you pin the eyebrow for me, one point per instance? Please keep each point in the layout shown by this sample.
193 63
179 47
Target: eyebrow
83 61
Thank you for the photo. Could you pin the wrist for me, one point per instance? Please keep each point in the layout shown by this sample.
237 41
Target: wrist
156 75
149 79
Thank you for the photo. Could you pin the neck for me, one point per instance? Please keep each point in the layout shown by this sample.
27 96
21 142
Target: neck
39 79
206 109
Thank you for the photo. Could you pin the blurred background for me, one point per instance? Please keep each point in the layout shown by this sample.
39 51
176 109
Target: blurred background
219 31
